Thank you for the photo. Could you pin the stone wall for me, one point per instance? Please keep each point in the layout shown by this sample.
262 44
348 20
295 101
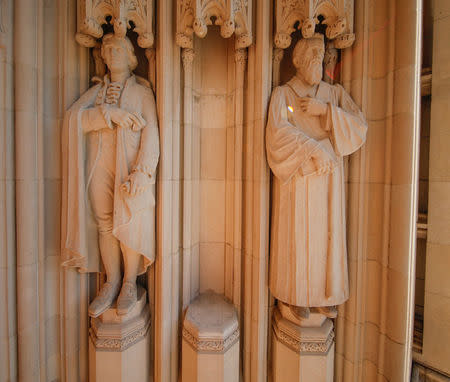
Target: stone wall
43 312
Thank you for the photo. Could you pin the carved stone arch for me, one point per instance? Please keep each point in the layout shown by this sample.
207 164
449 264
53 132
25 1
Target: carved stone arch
123 15
292 15
304 15
233 16
93 14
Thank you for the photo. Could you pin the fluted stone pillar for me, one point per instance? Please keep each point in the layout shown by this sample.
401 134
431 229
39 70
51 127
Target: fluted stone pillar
27 191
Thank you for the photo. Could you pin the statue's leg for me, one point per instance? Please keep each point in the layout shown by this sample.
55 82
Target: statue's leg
101 194
110 252
128 294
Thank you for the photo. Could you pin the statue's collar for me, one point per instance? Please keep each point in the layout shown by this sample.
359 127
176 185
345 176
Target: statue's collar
128 81
302 89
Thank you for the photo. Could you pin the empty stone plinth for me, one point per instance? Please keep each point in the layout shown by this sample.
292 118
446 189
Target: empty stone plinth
302 353
210 347
119 346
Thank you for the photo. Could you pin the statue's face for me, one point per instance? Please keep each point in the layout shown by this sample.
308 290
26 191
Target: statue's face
309 62
115 56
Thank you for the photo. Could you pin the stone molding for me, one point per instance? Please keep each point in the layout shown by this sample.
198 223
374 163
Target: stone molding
92 15
211 324
337 14
304 339
119 344
233 16
111 332
210 345
302 347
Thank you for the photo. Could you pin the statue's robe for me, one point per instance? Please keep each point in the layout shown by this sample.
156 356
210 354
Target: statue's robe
134 216
308 256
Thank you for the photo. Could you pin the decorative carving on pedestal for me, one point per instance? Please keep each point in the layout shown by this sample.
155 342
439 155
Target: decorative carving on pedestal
304 339
211 345
119 345
211 324
112 332
303 351
210 349
233 16
304 15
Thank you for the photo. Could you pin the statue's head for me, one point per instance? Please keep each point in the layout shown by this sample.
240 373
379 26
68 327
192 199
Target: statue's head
308 58
118 53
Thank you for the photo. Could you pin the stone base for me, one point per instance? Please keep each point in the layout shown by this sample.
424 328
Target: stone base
210 348
119 346
302 353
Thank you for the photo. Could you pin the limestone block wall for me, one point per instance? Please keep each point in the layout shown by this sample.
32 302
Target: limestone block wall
437 285
43 310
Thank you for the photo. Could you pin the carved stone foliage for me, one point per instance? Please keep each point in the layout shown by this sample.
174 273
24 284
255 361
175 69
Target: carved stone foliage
292 15
122 14
233 16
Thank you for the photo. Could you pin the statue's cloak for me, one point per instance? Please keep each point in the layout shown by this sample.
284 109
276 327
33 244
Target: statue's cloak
134 216
308 255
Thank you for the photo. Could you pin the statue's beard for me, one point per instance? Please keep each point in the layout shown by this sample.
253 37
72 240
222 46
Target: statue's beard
312 72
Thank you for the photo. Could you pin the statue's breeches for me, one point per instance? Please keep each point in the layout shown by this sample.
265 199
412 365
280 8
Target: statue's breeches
101 187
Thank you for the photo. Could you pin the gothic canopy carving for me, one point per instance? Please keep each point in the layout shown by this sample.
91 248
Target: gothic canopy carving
123 14
233 16
292 15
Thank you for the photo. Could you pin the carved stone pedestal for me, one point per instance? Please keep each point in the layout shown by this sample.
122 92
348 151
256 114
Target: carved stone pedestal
303 353
210 341
119 346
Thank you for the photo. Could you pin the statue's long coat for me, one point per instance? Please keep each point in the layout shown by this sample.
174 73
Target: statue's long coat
134 216
308 257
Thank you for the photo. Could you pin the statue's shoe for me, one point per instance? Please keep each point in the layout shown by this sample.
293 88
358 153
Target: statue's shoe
127 298
294 314
104 300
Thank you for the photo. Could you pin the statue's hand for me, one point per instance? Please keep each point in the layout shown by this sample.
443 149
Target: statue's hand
323 161
136 183
123 118
312 106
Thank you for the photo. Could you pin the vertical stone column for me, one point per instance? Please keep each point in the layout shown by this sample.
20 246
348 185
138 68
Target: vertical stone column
167 264
150 53
436 352
187 56
278 54
27 189
8 328
234 183
255 326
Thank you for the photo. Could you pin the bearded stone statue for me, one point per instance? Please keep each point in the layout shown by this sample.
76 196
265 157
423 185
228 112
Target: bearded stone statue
110 146
312 125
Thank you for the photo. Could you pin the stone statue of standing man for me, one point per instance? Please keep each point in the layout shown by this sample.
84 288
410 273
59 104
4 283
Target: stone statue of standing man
110 147
311 126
